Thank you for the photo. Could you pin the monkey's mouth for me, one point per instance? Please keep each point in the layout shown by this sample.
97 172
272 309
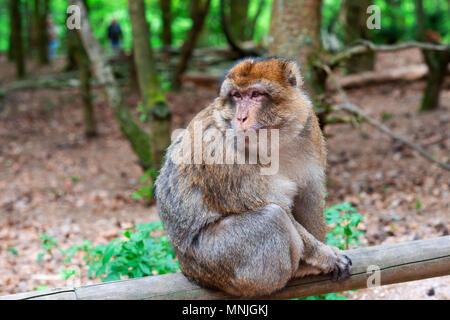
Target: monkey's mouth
260 126
255 127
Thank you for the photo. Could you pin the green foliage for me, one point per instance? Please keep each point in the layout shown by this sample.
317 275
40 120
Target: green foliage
41 287
138 255
418 204
345 219
48 242
67 273
142 112
327 296
147 180
398 21
13 251
386 116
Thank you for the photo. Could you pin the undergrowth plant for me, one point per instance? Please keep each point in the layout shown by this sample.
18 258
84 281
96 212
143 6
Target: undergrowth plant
147 183
344 220
138 254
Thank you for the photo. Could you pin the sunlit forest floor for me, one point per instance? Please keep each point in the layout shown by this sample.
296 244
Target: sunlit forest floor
55 181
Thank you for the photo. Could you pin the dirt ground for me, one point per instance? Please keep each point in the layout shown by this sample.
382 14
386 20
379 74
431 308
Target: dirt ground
54 180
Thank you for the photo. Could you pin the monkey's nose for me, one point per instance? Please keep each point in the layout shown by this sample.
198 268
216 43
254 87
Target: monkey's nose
242 118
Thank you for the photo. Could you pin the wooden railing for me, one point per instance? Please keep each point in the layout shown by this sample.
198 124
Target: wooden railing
396 263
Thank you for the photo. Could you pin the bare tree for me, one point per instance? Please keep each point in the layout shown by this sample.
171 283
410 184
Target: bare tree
41 8
436 61
84 68
16 38
139 139
199 10
153 101
166 16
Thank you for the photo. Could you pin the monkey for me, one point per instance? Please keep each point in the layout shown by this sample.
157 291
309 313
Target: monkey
232 227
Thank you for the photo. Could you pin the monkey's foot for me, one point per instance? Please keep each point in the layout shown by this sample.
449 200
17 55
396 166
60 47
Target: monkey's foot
331 260
342 267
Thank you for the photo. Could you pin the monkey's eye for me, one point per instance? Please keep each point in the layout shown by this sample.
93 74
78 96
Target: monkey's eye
236 94
256 94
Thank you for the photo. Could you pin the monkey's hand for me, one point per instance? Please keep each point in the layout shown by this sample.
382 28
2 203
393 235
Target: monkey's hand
331 260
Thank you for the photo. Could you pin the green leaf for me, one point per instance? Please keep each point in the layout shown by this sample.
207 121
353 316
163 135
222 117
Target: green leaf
39 257
109 251
145 269
113 276
41 287
66 274
13 251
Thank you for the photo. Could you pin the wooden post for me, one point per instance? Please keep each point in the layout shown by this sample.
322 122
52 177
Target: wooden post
399 262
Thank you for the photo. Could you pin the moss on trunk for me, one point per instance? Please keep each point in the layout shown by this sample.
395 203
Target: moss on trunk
356 28
154 103
437 64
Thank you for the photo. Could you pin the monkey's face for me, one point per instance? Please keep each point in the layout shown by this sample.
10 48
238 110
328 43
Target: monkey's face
248 103
260 93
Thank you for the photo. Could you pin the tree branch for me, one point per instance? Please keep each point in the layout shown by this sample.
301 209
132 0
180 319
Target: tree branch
367 46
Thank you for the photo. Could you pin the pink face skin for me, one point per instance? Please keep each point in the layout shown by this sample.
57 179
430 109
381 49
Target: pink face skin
248 102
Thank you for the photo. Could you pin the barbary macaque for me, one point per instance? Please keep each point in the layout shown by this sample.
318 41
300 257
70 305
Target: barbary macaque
237 222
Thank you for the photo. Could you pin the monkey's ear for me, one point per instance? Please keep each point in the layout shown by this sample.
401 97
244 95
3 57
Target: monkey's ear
292 73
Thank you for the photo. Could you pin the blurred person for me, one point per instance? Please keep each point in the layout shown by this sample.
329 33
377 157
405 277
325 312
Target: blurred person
51 38
114 35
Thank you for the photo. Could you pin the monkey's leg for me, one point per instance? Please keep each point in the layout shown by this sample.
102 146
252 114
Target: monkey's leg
309 220
320 256
249 254
308 209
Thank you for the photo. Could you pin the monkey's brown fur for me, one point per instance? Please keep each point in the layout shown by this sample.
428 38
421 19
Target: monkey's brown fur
233 228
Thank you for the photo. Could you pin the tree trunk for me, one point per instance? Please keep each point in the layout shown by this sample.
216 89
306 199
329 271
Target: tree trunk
356 28
153 101
133 83
90 129
72 47
238 19
199 10
16 38
82 60
166 15
40 18
138 138
28 27
436 61
295 34
437 64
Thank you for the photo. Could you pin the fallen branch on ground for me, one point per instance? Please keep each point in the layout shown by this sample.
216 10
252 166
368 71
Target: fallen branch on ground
406 73
368 46
354 109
